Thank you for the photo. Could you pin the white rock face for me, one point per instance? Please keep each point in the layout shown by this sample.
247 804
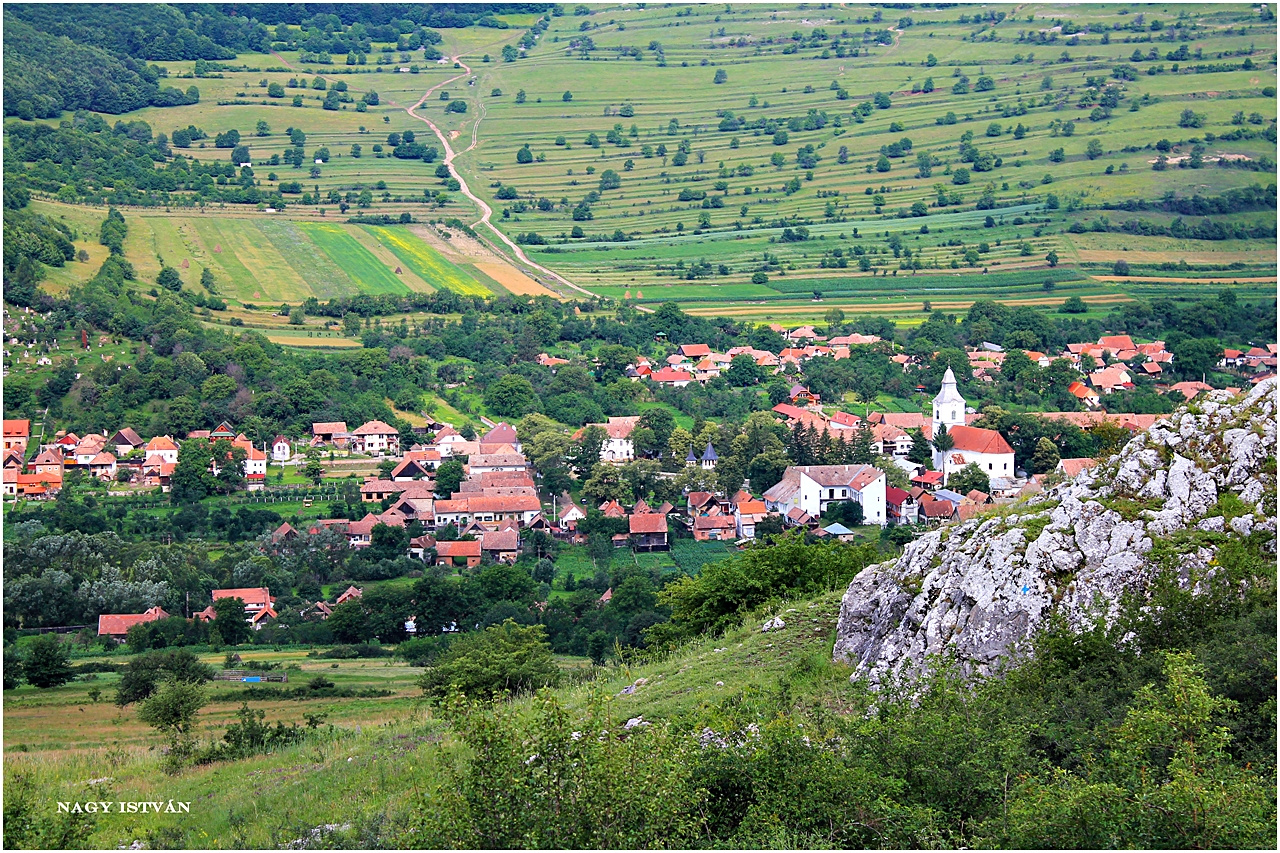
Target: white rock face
980 589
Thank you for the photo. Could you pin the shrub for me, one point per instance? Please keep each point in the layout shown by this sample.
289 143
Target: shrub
46 664
506 658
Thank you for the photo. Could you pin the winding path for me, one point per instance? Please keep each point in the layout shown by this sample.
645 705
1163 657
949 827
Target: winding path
486 212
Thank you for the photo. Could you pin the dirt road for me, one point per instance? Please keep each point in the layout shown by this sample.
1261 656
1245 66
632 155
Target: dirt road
486 212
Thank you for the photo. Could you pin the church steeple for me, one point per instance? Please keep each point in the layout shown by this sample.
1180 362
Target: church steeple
948 406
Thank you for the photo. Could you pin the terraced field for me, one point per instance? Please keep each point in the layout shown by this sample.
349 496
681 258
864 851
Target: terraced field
757 155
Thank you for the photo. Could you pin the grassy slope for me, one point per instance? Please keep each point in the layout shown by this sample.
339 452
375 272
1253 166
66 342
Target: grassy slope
387 749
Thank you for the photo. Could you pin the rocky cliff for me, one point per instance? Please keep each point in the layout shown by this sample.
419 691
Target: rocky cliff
980 589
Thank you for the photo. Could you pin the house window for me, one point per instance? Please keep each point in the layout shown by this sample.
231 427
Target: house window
990 467
953 415
831 494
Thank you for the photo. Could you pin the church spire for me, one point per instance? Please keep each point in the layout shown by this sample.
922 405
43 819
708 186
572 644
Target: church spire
948 405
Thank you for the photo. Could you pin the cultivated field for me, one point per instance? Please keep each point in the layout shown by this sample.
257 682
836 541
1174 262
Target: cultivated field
760 154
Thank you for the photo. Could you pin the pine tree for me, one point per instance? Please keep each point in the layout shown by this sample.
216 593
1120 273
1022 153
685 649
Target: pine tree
863 452
919 452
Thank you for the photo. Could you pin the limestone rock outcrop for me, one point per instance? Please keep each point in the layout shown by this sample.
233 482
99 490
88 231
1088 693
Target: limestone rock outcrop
978 590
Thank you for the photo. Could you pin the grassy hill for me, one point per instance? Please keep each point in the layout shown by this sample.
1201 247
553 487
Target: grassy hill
369 771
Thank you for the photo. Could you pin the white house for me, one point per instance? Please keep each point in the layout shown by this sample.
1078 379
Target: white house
568 511
280 449
617 446
812 488
162 446
447 439
255 467
746 515
376 437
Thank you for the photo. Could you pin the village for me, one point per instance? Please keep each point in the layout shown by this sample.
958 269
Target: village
498 502
1108 365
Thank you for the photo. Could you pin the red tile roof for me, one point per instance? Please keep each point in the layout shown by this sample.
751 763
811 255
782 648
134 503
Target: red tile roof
17 429
118 624
376 428
500 540
1072 467
249 595
458 548
648 522
937 508
1190 389
1116 343
668 374
978 440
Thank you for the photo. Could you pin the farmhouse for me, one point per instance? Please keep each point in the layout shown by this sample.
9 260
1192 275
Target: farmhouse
350 594
376 438
461 510
747 514
648 531
459 553
489 463
126 441
255 598
162 448
617 446
503 433
671 376
711 528
117 625
502 545
47 462
1072 467
902 507
330 432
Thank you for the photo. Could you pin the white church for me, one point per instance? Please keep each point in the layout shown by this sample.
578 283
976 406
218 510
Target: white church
985 448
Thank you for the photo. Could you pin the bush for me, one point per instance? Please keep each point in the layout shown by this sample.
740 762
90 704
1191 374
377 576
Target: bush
724 590
46 664
423 651
506 658
140 677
